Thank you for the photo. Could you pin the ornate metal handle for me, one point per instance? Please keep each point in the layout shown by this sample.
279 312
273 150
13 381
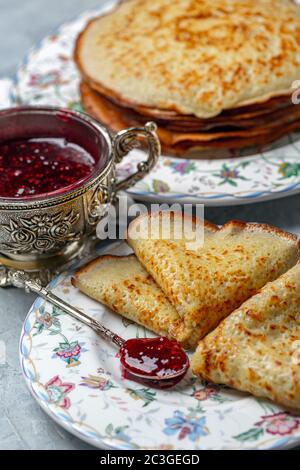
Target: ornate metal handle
21 279
127 140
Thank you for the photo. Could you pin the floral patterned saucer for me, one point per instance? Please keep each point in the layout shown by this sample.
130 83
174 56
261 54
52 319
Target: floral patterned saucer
75 377
49 76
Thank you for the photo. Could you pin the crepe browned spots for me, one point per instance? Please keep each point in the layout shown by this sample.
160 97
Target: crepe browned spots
257 348
206 284
193 57
257 128
122 284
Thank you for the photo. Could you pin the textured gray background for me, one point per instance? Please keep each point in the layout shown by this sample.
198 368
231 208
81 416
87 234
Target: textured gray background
22 424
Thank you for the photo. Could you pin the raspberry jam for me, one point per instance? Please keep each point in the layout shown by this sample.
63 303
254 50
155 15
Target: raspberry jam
34 167
143 359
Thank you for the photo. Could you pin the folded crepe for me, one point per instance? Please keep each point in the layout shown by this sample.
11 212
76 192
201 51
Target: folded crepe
123 285
208 283
257 348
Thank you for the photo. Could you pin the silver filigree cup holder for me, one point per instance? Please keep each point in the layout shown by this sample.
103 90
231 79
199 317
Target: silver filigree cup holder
41 235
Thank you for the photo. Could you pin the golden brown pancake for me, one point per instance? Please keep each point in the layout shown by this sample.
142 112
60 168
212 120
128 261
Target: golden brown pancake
193 57
206 284
122 284
242 131
257 348
191 290
248 116
253 109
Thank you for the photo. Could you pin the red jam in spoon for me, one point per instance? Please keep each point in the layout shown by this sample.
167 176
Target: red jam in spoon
34 167
157 362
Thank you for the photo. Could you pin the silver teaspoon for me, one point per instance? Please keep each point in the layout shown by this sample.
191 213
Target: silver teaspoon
157 362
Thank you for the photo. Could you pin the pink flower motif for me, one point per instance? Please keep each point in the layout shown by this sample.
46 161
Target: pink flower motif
53 37
281 423
69 352
57 391
204 393
44 80
180 167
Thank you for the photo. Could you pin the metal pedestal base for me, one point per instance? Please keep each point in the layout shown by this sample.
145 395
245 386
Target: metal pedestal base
45 274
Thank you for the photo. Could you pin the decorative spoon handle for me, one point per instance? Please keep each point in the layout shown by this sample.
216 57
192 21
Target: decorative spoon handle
20 280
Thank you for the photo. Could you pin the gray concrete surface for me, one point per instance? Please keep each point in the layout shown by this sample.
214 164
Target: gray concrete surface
23 425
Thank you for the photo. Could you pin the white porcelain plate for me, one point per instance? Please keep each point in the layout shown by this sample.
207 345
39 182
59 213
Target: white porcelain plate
49 76
75 377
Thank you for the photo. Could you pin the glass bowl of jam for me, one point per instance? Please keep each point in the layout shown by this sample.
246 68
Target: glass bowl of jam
57 176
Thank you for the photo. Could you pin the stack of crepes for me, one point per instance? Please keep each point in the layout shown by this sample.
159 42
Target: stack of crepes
209 297
213 74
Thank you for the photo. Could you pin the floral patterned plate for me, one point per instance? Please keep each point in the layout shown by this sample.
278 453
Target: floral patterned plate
49 76
75 377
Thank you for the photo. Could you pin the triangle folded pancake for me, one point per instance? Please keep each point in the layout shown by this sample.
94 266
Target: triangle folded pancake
257 348
207 284
123 285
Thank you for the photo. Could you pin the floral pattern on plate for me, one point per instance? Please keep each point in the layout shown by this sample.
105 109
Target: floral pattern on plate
93 401
49 76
